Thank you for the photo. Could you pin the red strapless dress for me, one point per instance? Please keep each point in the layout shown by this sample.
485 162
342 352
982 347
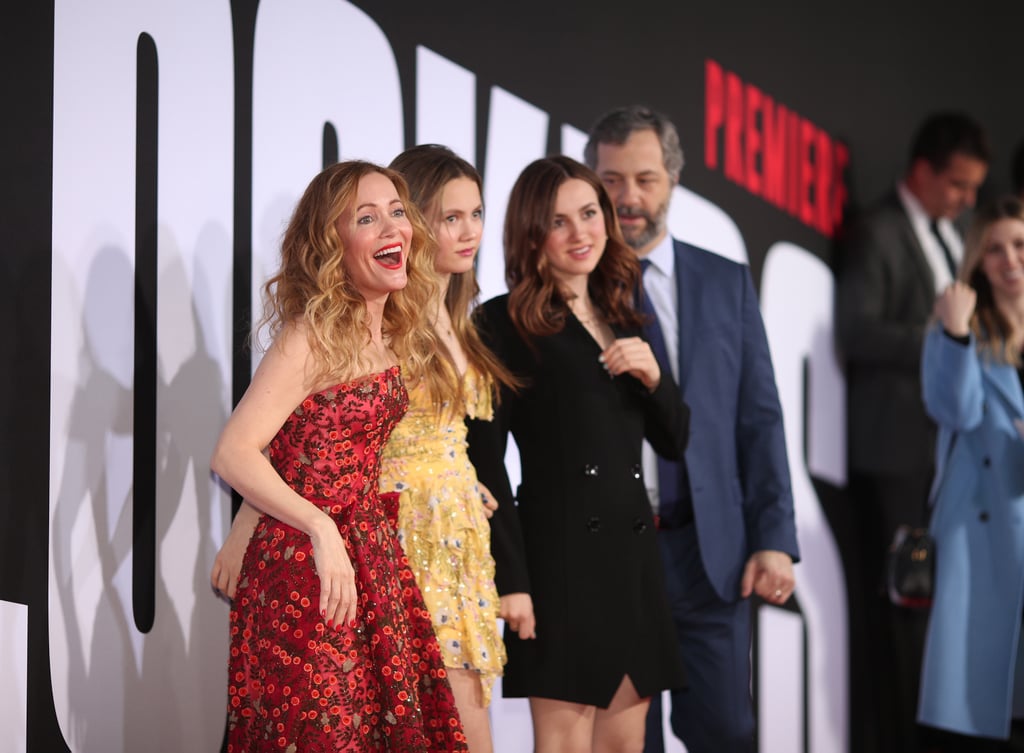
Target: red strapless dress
296 685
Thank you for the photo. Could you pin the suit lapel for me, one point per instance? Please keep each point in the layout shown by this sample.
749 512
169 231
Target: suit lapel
688 296
913 247
1006 382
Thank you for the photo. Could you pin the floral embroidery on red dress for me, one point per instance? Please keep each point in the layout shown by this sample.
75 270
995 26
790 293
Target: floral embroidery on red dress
294 684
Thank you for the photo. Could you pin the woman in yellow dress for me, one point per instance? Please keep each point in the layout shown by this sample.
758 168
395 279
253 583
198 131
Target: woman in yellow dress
443 509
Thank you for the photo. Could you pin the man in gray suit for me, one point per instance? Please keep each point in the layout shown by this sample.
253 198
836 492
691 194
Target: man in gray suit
899 255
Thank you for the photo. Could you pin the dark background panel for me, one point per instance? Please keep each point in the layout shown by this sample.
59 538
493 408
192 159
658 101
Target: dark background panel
26 136
866 73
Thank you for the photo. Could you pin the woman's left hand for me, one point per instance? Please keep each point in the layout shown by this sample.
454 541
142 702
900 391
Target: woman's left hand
632 355
490 503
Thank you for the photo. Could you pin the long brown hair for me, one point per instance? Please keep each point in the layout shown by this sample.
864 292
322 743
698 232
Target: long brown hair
536 305
428 169
312 287
993 331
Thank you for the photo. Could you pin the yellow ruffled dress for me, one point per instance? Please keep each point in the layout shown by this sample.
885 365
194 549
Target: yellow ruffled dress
444 531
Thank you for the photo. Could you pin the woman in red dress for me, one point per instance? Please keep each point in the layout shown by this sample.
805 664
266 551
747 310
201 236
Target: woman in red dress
332 648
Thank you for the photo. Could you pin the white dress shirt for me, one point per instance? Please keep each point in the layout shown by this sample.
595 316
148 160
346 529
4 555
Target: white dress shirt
663 293
921 223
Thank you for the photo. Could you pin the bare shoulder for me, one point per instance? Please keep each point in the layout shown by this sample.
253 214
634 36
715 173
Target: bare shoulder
288 365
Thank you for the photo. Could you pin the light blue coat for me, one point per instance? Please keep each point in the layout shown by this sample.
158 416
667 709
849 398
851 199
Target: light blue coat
971 654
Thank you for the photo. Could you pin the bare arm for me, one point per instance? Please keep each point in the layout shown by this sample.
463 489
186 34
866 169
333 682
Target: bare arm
279 384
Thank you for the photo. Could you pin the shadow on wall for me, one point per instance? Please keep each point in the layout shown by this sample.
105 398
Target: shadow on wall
116 688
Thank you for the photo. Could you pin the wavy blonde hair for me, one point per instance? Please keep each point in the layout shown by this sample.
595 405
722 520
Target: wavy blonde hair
992 330
428 169
312 287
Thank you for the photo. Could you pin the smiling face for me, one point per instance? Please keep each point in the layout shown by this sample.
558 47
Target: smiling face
1002 260
459 226
576 240
376 236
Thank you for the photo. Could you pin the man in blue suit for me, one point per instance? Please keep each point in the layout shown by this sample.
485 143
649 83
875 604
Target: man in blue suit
725 515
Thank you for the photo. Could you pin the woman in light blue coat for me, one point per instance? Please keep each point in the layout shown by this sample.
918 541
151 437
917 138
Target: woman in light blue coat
972 681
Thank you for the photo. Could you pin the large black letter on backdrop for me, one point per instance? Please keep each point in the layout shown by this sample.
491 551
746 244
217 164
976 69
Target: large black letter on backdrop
147 107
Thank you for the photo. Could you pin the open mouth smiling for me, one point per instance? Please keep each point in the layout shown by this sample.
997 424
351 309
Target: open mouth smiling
389 257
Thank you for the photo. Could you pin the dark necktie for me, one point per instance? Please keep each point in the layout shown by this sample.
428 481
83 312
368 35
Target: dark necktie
945 249
653 329
669 473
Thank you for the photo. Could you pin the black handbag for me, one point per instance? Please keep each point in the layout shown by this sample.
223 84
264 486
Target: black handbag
910 569
910 564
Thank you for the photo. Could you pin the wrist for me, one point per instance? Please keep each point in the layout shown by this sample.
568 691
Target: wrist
958 329
319 525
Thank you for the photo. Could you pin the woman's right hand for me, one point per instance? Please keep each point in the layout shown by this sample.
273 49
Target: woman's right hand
632 355
517 611
954 308
337 577
227 565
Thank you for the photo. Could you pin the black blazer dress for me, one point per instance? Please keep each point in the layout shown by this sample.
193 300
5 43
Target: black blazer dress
579 534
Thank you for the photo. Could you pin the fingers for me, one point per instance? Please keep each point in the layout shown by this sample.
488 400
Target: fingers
227 565
346 613
747 582
955 305
513 605
772 576
338 601
330 598
632 355
527 628
338 593
517 611
774 592
228 584
218 580
223 579
624 353
489 502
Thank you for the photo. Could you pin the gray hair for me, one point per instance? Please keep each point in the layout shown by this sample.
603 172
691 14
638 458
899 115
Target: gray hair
615 126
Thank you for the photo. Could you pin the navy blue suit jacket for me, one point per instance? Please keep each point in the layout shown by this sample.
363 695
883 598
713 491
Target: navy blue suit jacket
736 458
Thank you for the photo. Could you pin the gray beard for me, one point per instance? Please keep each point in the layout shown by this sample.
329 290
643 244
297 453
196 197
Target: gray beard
653 227
637 239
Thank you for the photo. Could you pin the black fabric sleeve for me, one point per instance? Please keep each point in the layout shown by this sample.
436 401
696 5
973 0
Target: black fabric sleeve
488 441
666 419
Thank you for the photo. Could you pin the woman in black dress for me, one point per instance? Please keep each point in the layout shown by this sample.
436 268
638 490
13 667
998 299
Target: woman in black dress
588 630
